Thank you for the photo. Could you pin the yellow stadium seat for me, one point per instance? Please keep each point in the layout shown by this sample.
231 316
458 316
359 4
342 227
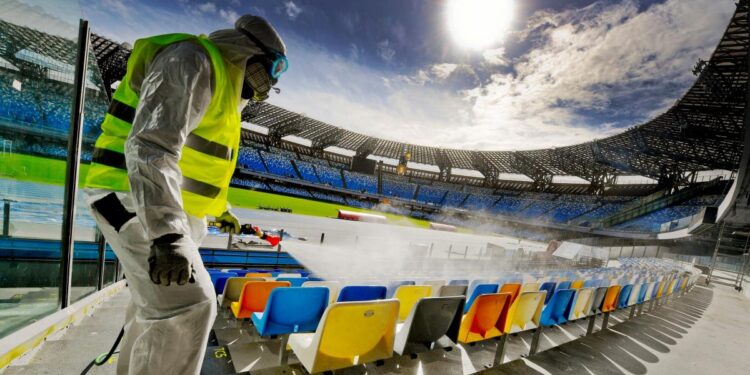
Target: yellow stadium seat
349 333
408 296
582 303
577 284
660 291
670 288
610 299
530 287
525 312
480 322
233 289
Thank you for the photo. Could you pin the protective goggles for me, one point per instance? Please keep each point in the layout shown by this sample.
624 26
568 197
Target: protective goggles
276 62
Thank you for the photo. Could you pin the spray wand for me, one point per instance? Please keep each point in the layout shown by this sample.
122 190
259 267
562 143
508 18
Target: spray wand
249 229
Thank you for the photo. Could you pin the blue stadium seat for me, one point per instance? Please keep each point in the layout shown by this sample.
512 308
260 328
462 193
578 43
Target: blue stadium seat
295 281
556 311
291 310
549 287
624 296
563 285
352 293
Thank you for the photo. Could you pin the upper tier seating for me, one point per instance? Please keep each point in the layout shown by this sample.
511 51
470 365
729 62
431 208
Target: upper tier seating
307 171
278 164
329 175
398 189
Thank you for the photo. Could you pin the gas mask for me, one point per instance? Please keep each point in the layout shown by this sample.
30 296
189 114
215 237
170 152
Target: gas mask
257 82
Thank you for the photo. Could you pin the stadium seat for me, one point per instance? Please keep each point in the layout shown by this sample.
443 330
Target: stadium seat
253 297
430 320
233 290
564 285
289 275
513 288
293 281
480 322
525 312
353 293
577 284
624 296
220 282
558 308
479 290
452 290
459 282
393 285
643 292
333 288
610 299
291 310
348 334
581 306
435 284
591 283
548 287
259 274
530 287
633 298
408 296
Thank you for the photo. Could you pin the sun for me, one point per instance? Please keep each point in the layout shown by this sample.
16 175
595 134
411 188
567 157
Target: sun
478 24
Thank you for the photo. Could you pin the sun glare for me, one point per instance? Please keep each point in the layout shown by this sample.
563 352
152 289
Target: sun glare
478 24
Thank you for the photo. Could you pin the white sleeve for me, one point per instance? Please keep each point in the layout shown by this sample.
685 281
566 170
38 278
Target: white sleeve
174 95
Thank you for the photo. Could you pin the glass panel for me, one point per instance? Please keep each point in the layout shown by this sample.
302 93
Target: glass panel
85 255
37 53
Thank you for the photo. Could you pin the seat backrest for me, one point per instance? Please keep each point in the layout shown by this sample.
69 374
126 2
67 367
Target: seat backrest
408 296
294 281
333 288
459 282
452 290
555 311
530 287
393 285
354 332
480 322
563 285
577 284
479 290
598 299
642 293
633 298
591 283
429 320
259 274
435 284
221 282
624 297
233 289
254 296
581 305
353 293
671 286
513 288
610 299
293 310
548 287
285 275
662 285
524 313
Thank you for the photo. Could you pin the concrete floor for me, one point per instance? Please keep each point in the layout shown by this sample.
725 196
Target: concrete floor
703 332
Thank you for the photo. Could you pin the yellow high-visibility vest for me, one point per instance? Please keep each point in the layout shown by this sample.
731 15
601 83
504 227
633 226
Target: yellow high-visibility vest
209 155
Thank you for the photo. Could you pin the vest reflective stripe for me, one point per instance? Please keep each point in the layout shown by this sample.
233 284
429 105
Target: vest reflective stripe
121 111
208 157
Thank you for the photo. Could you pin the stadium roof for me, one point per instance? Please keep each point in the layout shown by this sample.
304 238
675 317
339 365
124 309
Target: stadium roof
704 130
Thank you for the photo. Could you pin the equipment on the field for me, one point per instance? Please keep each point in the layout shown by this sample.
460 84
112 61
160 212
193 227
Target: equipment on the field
249 229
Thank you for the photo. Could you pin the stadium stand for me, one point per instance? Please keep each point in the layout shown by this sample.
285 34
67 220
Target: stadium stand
361 182
279 164
431 194
307 171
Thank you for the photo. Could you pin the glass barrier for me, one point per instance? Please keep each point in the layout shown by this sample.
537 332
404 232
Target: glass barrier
38 44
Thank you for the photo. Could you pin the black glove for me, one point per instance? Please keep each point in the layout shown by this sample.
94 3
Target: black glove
170 260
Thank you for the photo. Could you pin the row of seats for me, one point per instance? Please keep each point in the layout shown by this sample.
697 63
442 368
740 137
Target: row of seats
331 324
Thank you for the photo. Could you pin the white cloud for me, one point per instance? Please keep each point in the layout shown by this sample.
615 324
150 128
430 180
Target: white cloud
292 10
386 50
207 7
354 51
495 57
229 15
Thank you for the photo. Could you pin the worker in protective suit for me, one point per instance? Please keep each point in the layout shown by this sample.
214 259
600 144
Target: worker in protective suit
163 162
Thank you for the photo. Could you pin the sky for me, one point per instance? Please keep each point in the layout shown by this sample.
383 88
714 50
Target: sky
564 71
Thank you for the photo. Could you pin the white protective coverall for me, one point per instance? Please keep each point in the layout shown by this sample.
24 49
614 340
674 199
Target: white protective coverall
167 327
